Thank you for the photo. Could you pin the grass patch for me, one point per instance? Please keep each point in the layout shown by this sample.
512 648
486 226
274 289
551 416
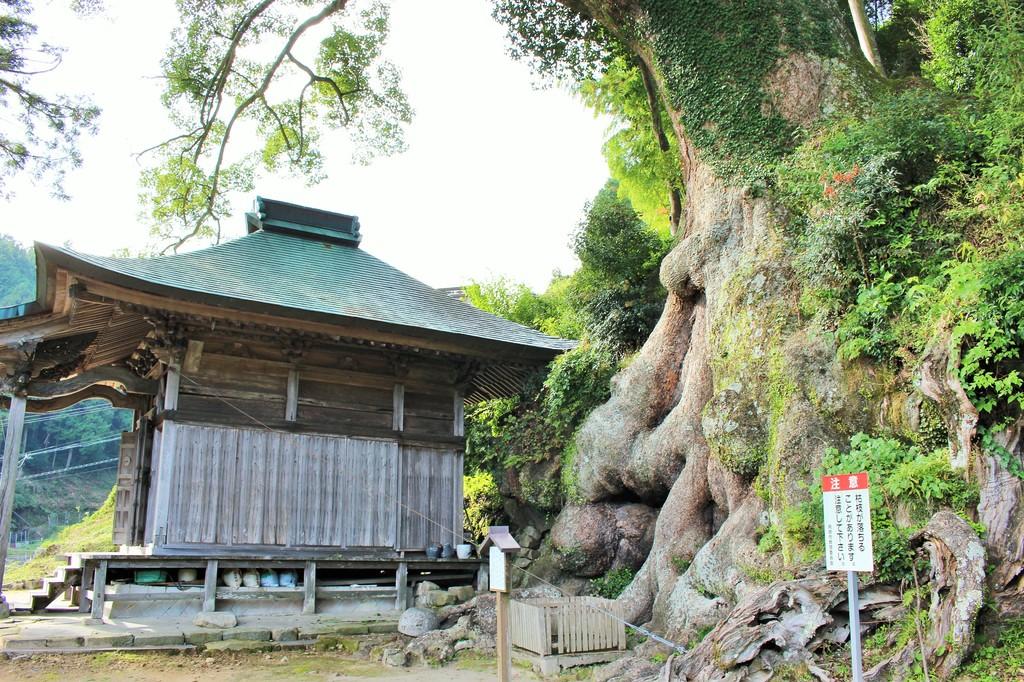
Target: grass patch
997 661
91 534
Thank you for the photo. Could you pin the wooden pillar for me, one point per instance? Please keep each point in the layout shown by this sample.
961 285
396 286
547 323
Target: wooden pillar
83 588
504 644
309 589
291 403
402 587
12 451
168 440
99 588
459 422
210 585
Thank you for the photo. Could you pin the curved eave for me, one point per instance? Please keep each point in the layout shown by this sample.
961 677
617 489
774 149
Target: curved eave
508 351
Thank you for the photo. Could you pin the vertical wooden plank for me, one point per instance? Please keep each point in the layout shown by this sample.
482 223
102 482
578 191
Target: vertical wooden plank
257 500
291 403
99 587
402 586
168 454
458 513
210 585
398 408
459 421
309 588
399 491
12 453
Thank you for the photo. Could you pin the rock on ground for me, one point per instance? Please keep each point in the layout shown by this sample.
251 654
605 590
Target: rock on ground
417 621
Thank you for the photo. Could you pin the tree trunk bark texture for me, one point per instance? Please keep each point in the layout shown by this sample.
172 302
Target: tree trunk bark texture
734 385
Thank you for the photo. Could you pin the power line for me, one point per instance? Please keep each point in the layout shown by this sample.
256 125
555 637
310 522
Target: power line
46 474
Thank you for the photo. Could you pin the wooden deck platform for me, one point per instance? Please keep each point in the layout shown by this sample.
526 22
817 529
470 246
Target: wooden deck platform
100 580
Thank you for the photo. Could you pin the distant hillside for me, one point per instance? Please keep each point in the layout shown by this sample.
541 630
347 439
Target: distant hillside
85 434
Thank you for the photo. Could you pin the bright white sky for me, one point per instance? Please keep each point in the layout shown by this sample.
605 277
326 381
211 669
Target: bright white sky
493 183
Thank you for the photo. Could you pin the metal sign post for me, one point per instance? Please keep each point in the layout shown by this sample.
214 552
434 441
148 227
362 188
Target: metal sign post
848 547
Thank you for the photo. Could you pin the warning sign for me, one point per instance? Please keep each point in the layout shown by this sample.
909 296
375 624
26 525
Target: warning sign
847 523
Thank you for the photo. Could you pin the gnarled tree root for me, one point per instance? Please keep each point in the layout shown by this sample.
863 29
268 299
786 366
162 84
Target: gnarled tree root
785 624
956 583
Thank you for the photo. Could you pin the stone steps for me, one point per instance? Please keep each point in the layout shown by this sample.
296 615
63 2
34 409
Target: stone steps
86 639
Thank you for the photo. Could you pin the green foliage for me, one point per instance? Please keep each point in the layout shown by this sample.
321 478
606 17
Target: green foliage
550 312
483 503
644 172
999 660
612 583
956 31
714 58
901 475
539 425
616 289
40 132
231 62
17 273
92 534
559 43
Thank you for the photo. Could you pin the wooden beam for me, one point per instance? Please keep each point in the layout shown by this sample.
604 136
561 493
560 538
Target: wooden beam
398 407
193 357
35 330
291 403
131 382
210 586
309 588
116 398
99 589
12 452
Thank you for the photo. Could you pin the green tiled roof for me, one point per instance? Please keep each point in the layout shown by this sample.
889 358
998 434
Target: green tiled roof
290 271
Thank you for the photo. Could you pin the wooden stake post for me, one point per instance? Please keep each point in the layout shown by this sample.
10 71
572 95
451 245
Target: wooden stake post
498 545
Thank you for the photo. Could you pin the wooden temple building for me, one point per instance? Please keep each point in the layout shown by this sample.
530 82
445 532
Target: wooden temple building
298 405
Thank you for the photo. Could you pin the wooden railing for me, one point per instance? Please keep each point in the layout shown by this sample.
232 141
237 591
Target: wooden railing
567 625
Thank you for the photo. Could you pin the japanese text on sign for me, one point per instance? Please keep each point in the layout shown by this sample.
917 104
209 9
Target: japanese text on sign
847 522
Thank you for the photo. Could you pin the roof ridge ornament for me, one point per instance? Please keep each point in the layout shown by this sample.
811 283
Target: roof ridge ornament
312 223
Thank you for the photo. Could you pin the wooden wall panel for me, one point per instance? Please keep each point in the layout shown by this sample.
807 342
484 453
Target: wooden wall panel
429 491
242 487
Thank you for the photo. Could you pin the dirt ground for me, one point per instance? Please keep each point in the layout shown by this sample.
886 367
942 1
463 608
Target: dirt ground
272 667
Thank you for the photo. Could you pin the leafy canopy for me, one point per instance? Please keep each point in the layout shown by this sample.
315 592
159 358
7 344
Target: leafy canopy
39 131
235 63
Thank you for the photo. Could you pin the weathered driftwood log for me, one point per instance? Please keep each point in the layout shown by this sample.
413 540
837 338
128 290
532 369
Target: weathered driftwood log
956 583
780 624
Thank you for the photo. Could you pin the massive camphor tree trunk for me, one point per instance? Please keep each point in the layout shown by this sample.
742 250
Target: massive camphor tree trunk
724 414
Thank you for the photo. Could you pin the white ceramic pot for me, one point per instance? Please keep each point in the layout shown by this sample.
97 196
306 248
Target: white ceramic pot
250 578
232 577
187 575
464 551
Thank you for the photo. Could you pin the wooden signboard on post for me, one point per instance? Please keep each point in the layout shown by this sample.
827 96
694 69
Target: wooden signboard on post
499 544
